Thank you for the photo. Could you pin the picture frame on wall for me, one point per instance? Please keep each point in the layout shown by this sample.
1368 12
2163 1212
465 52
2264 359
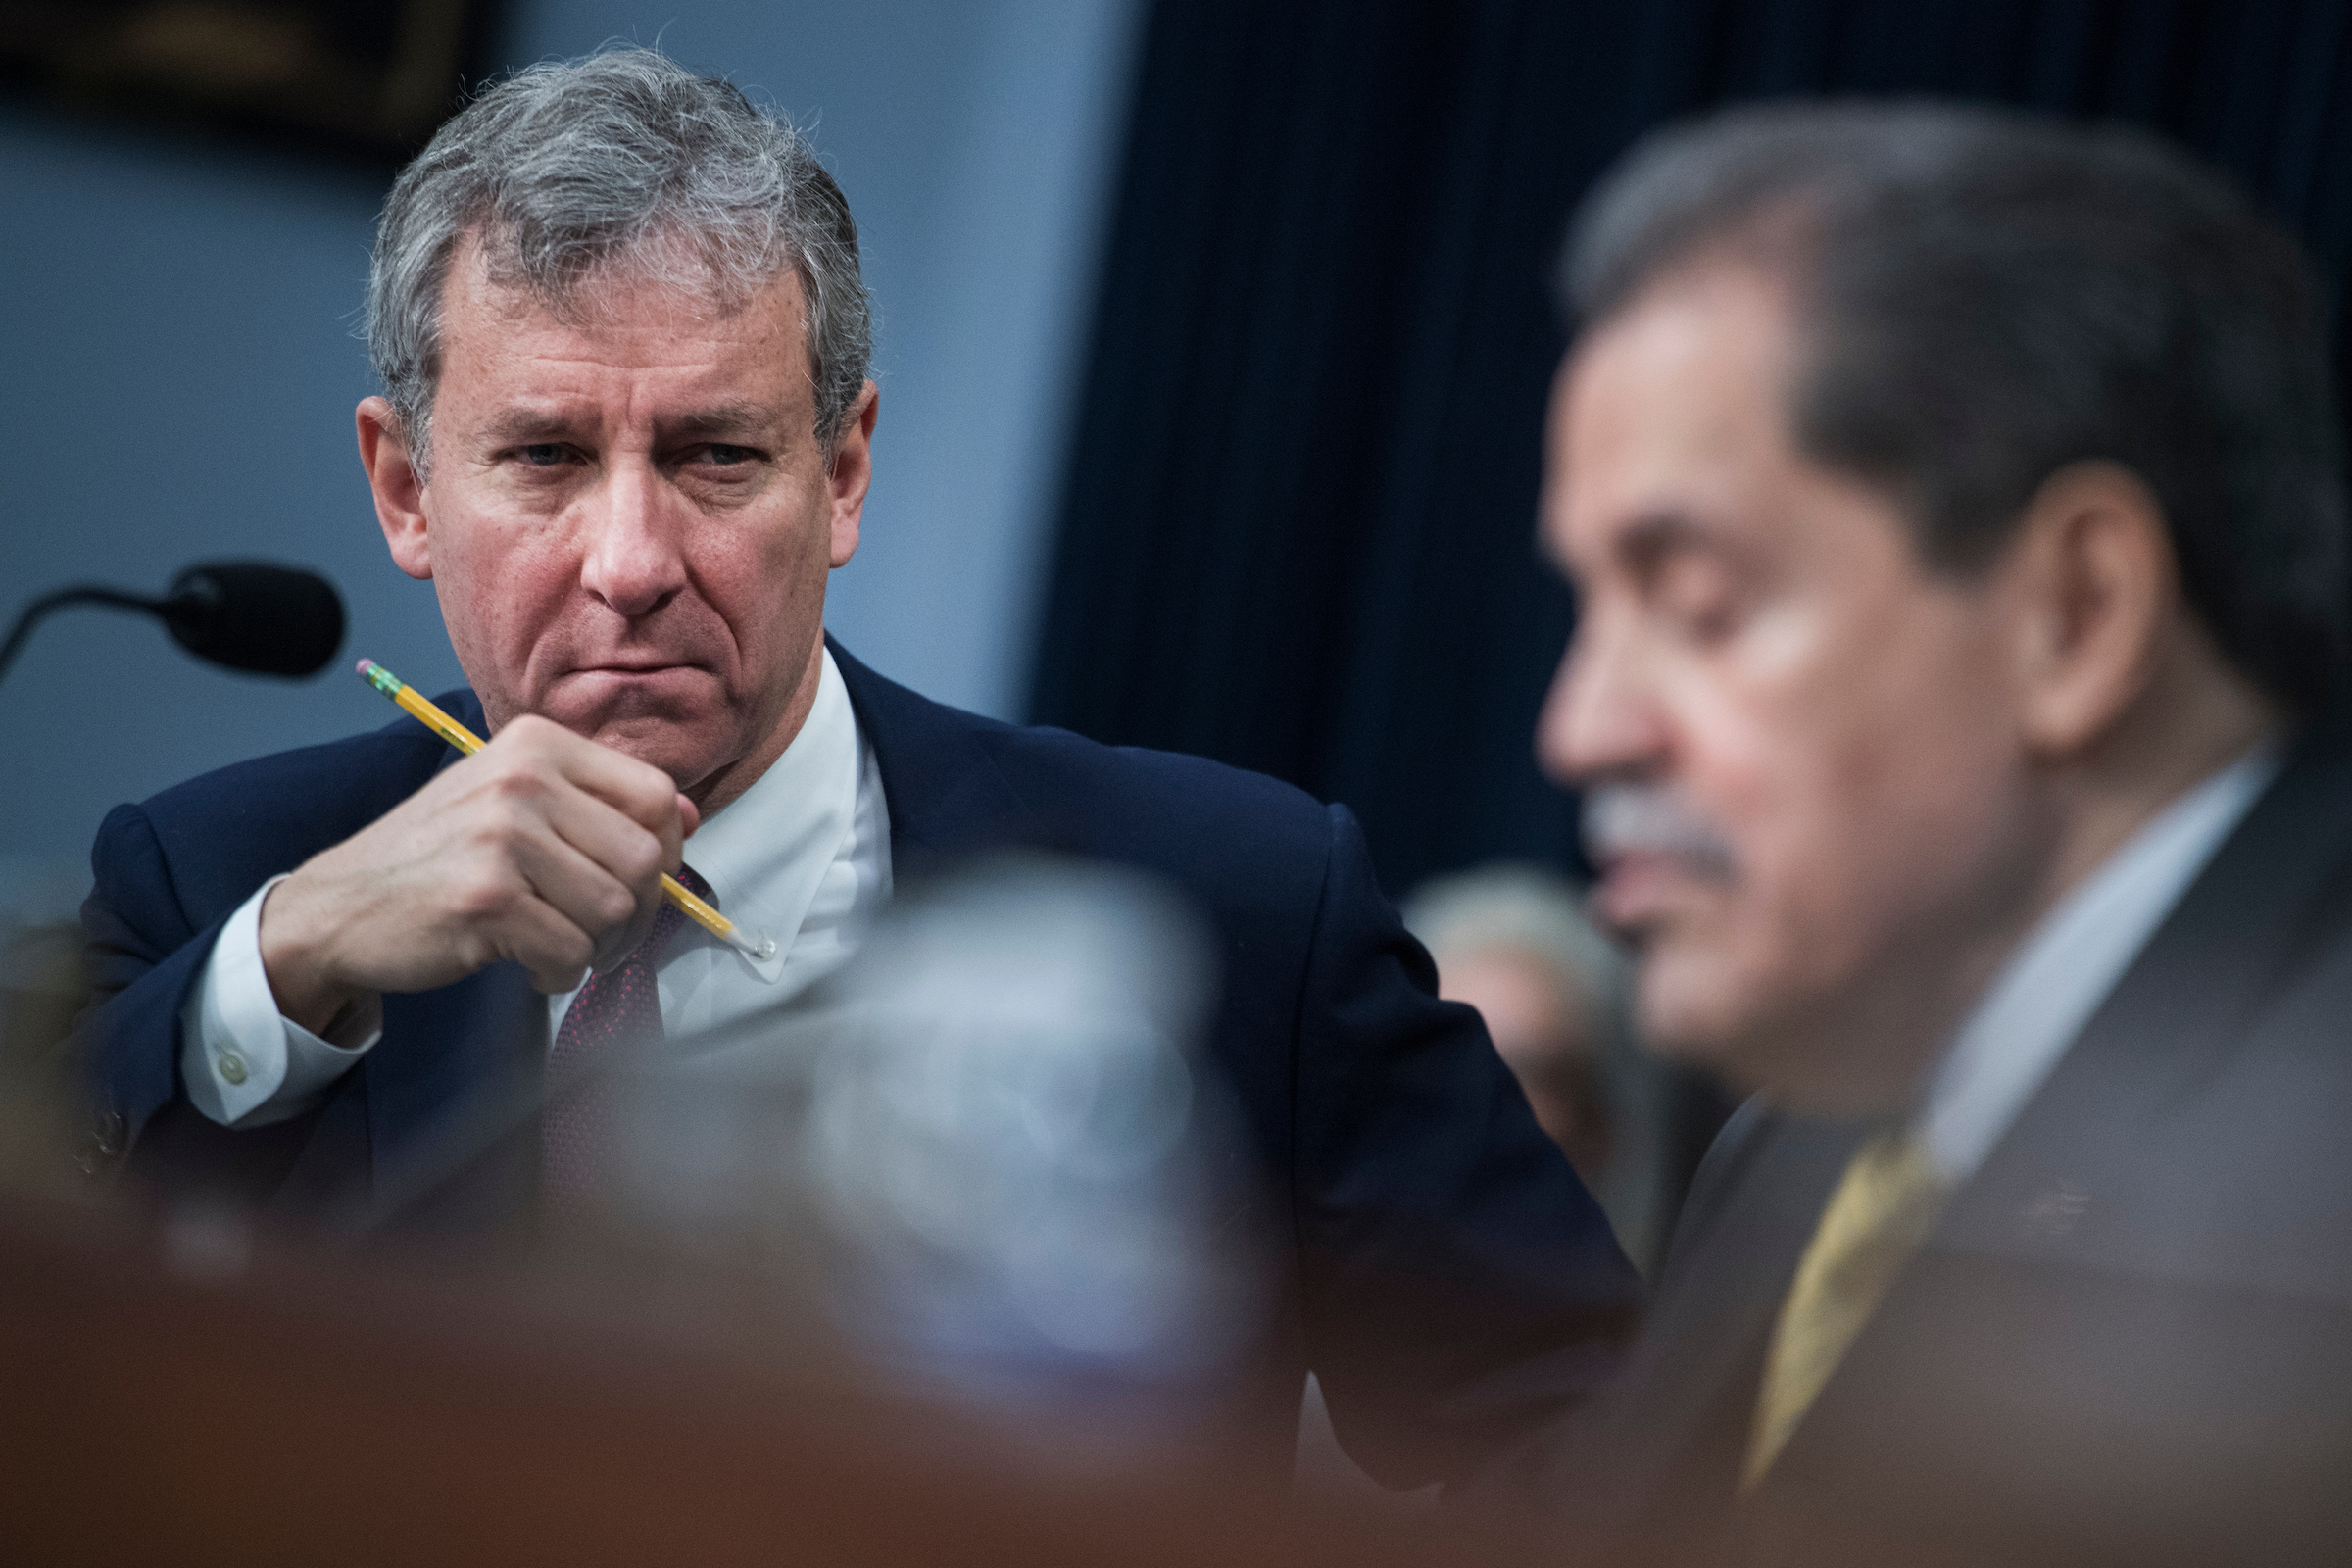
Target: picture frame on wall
367 77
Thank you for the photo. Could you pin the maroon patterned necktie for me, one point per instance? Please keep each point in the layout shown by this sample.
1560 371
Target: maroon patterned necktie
616 1013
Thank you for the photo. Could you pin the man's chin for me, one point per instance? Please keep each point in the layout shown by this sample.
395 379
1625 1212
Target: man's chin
1793 1056
1696 1007
1692 1038
688 741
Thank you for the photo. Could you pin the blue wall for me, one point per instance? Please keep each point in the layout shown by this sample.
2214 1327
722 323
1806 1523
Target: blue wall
178 375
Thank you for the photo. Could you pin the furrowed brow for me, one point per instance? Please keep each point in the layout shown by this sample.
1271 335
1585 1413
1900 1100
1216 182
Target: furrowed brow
525 426
723 421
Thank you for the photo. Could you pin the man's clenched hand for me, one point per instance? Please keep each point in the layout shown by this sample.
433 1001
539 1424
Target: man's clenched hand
544 847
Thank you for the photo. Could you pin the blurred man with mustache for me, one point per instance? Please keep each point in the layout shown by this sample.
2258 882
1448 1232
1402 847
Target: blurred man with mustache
1956 507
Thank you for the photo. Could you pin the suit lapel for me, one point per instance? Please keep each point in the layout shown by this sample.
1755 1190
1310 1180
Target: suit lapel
2237 938
2005 1278
453 1114
1665 1448
450 1094
948 800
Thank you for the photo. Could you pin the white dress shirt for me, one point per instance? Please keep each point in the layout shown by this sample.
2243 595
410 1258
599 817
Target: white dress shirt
804 854
2068 965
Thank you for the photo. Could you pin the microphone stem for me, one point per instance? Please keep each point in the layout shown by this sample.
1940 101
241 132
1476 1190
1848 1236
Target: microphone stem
77 594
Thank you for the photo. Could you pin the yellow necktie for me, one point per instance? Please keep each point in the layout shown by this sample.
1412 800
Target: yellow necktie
1879 1213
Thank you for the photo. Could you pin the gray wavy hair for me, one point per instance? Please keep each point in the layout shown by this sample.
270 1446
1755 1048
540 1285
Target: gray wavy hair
570 168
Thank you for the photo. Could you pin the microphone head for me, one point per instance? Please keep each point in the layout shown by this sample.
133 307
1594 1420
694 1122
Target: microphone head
248 615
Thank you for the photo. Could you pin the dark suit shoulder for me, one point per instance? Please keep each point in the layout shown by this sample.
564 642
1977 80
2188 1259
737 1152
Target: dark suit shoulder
1210 827
1252 851
1178 791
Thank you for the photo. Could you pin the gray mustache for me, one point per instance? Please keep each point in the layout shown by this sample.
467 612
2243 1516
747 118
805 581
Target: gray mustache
1651 819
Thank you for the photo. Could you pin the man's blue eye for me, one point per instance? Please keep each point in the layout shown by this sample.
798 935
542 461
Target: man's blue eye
724 454
542 455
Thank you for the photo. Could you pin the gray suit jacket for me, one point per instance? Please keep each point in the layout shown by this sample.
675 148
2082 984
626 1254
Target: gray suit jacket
2128 1339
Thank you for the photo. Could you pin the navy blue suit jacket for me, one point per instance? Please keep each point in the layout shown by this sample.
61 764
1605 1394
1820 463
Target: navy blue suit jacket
1447 1277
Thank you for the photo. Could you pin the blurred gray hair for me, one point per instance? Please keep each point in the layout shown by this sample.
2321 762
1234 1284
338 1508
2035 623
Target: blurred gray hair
622 158
1541 915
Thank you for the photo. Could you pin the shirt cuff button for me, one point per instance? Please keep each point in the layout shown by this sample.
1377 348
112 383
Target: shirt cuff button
232 1067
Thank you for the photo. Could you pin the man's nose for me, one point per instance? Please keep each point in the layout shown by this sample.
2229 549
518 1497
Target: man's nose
631 557
1600 719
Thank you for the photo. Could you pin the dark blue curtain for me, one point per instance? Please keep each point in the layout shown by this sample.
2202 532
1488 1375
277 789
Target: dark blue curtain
1298 529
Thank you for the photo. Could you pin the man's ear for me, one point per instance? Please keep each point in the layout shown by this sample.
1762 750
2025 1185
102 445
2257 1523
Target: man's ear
852 472
398 493
2095 585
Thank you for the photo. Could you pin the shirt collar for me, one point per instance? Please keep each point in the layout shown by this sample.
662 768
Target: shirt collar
766 852
2069 961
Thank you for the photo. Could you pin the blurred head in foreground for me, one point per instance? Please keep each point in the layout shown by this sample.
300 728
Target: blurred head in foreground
1515 942
1945 491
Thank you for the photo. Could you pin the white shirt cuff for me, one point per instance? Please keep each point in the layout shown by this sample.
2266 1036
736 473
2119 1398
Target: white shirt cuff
242 1062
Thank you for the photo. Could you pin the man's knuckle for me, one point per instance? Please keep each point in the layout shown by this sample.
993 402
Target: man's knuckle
647 786
516 784
489 841
574 948
487 893
640 859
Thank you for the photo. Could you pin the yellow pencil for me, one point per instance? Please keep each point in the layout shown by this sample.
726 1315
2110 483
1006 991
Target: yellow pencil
419 708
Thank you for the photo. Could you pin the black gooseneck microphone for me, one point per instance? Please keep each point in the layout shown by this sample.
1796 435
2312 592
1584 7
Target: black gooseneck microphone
246 615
